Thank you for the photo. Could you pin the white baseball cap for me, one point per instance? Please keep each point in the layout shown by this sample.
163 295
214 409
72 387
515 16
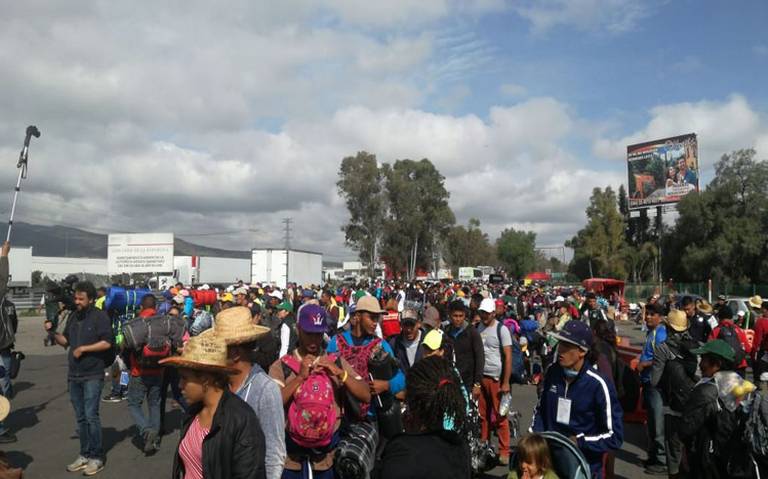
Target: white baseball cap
488 305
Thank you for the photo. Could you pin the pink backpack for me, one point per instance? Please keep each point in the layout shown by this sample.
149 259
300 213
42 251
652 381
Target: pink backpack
313 413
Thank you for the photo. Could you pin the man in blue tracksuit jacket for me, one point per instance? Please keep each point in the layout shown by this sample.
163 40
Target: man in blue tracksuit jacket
577 402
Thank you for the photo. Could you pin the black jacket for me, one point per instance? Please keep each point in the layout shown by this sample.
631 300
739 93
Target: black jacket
469 353
83 328
707 430
234 447
435 455
398 346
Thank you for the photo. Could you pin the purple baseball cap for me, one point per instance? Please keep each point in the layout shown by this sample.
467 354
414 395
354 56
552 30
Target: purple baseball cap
313 319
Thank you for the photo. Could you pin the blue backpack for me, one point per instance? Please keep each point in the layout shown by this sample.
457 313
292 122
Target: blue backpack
518 364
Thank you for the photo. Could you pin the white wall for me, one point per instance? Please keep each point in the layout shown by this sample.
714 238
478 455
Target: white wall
58 268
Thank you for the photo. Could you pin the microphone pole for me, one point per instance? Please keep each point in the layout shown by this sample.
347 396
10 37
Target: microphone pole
22 166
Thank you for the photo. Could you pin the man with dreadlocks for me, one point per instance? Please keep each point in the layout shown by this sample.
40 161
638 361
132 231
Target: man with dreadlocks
433 445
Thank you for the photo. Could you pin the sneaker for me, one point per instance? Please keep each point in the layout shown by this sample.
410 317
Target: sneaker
79 464
150 442
656 469
94 467
504 460
7 438
112 398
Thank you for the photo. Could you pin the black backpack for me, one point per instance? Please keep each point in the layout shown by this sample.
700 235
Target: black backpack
728 334
676 385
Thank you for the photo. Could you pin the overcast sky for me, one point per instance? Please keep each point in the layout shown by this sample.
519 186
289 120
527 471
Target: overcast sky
208 117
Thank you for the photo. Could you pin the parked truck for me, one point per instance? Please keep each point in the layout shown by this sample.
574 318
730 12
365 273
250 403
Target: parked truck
211 269
280 266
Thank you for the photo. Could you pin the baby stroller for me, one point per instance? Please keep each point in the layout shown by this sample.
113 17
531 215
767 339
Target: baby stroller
567 460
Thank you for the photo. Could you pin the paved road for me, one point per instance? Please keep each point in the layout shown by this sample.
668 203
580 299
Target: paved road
42 418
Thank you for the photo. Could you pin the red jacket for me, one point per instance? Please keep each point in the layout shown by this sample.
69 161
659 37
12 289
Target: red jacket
739 333
761 333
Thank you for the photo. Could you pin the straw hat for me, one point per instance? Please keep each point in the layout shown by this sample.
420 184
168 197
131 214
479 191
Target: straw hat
235 326
704 307
204 352
5 407
677 320
756 301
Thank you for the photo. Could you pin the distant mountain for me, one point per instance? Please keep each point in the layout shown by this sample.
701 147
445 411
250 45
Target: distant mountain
76 243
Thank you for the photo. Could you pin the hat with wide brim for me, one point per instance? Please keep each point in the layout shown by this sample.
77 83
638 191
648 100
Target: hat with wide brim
5 407
204 352
756 301
677 320
235 326
704 307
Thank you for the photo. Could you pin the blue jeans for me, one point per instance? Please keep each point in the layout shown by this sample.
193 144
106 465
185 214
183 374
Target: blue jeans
85 397
139 388
655 408
6 388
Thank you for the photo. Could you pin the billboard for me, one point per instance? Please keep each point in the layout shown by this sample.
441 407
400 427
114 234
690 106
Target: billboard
662 171
140 253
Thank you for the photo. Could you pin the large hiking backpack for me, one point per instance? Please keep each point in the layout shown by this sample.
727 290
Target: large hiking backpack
518 363
756 427
139 332
312 414
676 385
728 334
358 357
122 300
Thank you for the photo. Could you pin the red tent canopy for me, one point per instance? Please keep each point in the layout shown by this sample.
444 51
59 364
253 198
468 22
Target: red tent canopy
538 276
604 286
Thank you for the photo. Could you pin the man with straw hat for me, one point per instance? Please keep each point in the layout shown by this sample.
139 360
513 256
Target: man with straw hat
674 375
221 437
252 384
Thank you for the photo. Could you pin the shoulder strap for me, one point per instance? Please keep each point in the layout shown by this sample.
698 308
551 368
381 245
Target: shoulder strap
291 362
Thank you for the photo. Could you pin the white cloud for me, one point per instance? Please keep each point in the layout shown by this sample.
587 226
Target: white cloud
721 126
613 16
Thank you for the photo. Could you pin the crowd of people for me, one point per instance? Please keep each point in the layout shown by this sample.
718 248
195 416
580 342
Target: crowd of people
395 380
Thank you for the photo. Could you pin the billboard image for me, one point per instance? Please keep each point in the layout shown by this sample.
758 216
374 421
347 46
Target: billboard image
662 171
140 253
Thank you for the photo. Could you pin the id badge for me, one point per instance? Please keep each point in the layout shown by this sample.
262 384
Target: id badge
124 378
563 410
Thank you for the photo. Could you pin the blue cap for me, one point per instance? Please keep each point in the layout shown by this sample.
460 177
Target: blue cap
575 332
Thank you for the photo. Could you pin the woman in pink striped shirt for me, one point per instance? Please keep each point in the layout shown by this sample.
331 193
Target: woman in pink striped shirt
221 438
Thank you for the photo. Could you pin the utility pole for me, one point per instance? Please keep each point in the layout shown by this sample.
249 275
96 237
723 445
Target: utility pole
287 238
287 232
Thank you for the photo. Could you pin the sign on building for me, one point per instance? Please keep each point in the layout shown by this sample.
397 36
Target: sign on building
140 253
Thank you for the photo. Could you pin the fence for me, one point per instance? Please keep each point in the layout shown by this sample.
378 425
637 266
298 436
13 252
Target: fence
641 291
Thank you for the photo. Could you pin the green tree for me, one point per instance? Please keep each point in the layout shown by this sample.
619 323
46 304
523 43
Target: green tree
722 232
468 246
361 184
600 246
517 251
419 217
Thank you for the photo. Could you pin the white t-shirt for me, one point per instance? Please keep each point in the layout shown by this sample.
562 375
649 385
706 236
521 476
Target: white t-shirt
492 348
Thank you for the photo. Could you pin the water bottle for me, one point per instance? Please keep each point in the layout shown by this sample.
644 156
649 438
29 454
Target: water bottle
506 400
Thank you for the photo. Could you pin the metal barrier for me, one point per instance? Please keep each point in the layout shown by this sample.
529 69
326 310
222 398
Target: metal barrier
29 300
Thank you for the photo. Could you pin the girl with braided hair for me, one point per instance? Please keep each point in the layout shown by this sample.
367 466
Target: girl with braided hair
433 445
